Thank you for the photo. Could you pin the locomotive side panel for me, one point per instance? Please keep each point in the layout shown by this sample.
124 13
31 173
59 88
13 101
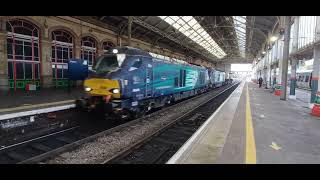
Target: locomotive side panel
217 78
164 77
138 78
170 78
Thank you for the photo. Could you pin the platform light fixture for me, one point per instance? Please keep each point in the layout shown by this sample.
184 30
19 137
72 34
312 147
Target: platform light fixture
273 38
263 52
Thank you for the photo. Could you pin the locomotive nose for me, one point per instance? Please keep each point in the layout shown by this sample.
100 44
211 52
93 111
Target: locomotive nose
102 87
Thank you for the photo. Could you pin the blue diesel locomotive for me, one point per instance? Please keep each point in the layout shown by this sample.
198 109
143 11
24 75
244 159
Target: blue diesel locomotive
129 82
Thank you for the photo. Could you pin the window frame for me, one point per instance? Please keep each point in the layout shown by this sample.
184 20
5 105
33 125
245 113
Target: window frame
307 78
27 39
89 51
136 60
107 45
61 64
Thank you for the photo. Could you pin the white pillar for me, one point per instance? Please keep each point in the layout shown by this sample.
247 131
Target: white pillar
268 80
293 79
315 82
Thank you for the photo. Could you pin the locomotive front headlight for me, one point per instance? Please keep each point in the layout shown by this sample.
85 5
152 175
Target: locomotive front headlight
87 89
115 91
115 51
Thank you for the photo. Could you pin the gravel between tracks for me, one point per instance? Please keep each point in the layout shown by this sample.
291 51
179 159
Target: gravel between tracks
106 146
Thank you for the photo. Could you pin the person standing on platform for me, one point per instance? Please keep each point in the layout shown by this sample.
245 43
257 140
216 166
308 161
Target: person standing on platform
274 82
260 82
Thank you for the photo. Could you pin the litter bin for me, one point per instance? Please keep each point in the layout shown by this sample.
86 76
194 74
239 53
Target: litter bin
277 91
316 107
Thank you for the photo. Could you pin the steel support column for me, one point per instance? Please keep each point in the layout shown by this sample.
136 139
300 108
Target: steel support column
280 52
227 68
285 58
129 29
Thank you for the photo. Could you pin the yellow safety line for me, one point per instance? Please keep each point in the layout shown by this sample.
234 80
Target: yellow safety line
35 106
250 142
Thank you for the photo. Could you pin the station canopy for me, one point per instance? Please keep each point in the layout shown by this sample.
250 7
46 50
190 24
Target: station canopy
193 30
231 39
240 28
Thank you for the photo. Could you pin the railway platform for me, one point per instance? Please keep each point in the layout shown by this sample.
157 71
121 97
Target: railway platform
255 126
21 101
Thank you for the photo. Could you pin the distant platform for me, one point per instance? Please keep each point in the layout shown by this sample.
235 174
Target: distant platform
21 101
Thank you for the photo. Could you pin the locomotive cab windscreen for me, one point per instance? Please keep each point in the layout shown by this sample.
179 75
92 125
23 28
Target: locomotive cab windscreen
107 63
102 81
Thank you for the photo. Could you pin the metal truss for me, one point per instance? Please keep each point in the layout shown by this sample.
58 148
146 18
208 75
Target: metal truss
172 38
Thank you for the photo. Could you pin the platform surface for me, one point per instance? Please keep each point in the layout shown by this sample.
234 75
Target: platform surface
207 143
282 131
12 102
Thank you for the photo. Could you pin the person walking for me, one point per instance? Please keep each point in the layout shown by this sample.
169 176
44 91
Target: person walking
260 82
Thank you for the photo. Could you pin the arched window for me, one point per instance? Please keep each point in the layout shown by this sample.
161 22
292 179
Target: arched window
23 54
62 51
107 45
88 50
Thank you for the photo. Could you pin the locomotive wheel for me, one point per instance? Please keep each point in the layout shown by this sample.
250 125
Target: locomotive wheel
138 114
169 101
143 110
81 105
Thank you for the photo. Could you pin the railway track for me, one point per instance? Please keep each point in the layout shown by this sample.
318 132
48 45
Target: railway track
160 146
51 145
41 145
18 129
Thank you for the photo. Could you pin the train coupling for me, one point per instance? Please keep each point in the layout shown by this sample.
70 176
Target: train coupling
84 103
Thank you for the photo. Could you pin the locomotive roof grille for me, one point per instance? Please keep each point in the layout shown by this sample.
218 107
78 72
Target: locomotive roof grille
162 57
135 51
